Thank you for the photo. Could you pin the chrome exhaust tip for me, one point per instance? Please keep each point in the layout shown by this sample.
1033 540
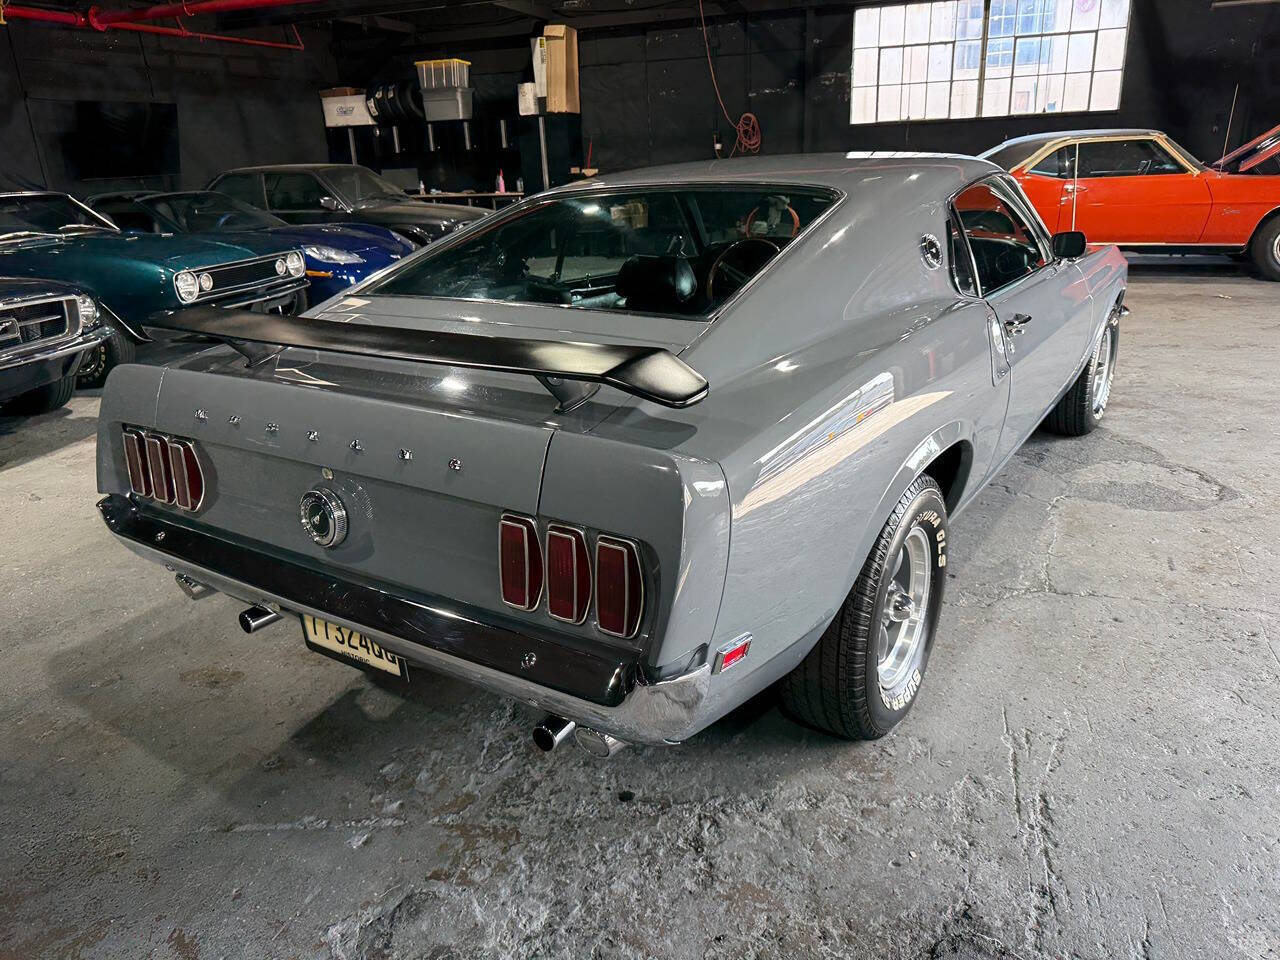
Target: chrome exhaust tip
552 732
599 745
257 617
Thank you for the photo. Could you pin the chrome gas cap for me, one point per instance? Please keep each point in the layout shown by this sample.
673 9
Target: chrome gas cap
323 516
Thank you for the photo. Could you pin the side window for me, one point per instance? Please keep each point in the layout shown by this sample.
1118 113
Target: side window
958 254
1058 164
1126 158
294 191
1004 245
242 186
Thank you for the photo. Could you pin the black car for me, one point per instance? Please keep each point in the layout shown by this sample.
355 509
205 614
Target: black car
46 328
341 193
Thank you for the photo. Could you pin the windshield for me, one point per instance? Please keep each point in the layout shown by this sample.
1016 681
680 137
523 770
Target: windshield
680 252
356 185
208 212
46 213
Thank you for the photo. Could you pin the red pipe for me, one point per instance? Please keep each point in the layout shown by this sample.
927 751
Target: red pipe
166 11
85 21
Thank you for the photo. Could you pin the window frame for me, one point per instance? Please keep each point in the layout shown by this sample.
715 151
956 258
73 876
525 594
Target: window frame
985 40
1054 146
1007 189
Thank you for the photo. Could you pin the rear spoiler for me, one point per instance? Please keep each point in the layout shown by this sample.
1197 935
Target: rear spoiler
650 373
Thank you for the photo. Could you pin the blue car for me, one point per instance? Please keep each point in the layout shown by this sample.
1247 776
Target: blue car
337 255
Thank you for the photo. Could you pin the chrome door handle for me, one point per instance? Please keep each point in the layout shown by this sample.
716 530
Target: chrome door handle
1075 188
1016 326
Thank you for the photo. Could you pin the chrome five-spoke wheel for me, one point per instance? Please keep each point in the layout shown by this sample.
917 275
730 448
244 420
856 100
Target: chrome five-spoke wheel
903 614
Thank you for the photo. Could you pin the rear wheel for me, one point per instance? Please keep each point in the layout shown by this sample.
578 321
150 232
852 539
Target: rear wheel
113 351
1265 249
1081 409
45 399
863 676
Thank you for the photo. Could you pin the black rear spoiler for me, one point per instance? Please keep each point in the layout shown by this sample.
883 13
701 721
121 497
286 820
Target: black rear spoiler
647 372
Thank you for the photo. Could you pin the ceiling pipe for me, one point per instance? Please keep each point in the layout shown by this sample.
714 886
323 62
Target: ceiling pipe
166 11
69 18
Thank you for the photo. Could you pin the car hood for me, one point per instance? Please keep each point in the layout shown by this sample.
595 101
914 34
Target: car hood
17 288
354 238
172 251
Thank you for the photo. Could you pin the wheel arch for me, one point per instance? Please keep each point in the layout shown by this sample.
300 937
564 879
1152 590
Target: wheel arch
1263 221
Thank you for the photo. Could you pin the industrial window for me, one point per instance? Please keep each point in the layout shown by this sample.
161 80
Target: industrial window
952 59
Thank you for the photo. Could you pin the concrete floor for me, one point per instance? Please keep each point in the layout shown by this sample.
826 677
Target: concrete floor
1091 771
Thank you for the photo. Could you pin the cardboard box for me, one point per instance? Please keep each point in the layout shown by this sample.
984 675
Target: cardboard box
539 48
562 69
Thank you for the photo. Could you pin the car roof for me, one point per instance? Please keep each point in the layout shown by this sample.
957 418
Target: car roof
931 174
289 167
1043 138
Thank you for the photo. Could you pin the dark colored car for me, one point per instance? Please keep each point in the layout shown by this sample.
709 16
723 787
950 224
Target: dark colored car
131 276
338 255
341 193
46 330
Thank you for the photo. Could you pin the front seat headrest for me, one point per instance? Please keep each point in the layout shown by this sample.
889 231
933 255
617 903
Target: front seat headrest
656 283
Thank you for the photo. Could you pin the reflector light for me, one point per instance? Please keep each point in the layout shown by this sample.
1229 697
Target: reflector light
158 461
568 574
165 469
619 587
732 652
519 562
135 458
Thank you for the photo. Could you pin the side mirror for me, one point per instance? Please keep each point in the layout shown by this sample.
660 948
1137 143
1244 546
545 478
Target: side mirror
1069 244
329 203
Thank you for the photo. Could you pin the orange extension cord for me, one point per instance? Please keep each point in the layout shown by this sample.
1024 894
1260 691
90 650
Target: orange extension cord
748 127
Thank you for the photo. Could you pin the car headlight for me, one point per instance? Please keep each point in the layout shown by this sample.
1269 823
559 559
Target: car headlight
187 285
295 264
88 311
206 282
331 255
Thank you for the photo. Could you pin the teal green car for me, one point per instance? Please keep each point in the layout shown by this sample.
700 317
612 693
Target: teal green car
131 276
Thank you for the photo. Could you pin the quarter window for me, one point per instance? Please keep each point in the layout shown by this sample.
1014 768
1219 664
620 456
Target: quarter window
1005 247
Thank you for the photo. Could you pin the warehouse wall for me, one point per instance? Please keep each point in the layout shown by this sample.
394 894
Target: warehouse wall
236 104
647 96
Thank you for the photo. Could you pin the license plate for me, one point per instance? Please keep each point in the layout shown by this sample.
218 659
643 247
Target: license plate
350 645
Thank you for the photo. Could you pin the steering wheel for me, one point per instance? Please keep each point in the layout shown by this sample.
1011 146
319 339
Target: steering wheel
222 220
795 220
739 262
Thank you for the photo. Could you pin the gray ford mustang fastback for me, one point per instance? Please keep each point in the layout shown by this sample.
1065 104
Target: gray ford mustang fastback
635 449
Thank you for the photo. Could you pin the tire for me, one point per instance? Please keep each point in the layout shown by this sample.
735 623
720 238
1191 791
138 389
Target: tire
98 362
840 687
1265 249
1082 407
45 399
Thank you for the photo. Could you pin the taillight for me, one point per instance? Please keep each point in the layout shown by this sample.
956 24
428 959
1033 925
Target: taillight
135 458
520 562
166 469
619 587
568 574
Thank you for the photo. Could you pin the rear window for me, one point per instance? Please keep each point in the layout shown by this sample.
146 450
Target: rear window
678 252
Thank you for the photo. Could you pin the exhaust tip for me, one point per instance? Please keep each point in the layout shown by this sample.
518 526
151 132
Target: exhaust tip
552 732
257 617
599 745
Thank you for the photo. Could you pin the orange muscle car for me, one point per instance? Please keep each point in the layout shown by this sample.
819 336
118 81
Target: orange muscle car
1140 190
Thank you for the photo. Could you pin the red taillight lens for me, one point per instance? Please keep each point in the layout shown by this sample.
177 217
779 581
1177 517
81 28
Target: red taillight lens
520 562
619 587
158 462
135 458
162 468
568 574
188 480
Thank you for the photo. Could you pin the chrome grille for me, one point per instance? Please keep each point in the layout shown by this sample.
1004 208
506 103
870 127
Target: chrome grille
39 321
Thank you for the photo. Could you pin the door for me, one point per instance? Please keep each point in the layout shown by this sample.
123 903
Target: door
296 197
1132 191
1043 184
1042 306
